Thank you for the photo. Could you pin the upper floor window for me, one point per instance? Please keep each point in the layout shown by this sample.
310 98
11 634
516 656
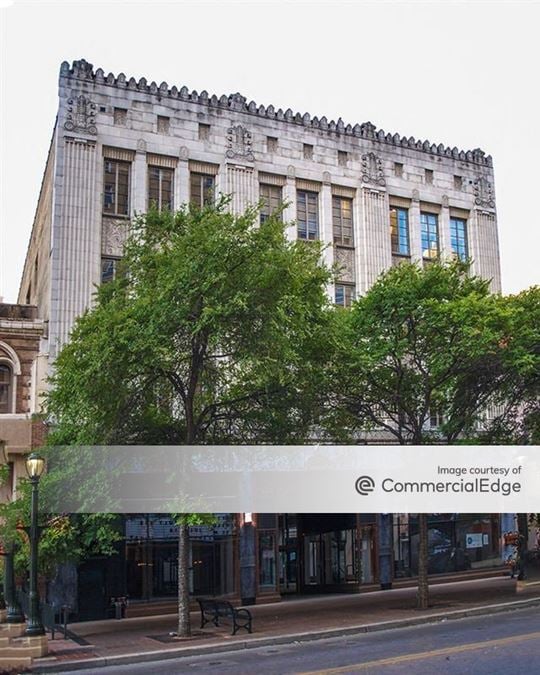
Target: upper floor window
116 188
308 151
204 131
398 169
307 211
202 187
428 174
271 196
458 238
6 393
342 221
120 116
109 269
399 231
343 157
344 295
271 144
160 187
458 182
429 223
163 124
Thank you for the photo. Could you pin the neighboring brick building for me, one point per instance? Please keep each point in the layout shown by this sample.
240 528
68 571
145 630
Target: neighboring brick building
22 368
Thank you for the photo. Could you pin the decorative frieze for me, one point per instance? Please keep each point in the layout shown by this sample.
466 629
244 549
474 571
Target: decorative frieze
344 261
372 169
239 143
113 237
483 193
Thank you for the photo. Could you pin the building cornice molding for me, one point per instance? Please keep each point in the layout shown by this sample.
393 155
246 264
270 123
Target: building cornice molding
83 71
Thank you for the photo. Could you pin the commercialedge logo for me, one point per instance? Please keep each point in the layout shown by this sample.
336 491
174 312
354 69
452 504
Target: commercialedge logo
364 485
476 485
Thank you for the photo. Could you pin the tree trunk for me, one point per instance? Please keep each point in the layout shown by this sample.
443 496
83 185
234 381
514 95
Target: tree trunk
184 624
423 586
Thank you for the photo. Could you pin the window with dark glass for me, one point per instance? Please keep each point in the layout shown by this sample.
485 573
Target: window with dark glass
271 197
428 173
344 295
116 188
5 389
399 231
458 238
307 211
109 268
429 224
342 221
202 188
160 187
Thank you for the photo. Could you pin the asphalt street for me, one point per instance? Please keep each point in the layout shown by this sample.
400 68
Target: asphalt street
503 643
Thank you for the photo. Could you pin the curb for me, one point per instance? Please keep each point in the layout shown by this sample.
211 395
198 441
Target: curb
145 657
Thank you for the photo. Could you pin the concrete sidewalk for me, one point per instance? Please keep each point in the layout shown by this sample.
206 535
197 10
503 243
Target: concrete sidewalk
147 638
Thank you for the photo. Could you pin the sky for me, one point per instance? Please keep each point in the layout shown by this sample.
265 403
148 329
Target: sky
464 74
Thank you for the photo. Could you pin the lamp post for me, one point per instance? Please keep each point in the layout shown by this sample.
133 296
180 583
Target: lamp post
34 468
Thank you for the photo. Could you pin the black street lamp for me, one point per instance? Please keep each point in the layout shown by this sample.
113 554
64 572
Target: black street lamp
35 464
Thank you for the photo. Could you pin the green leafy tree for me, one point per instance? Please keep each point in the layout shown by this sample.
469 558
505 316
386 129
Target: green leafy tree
421 344
202 338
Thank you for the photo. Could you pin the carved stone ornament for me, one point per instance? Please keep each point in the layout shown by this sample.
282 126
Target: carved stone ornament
81 115
326 178
141 145
483 193
184 152
344 261
372 170
113 236
416 195
291 171
444 201
239 143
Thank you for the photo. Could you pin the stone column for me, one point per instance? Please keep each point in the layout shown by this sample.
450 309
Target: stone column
445 244
386 558
181 183
289 197
414 229
326 226
248 567
139 180
241 186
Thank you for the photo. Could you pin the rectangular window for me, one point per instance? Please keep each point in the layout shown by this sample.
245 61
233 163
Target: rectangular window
204 132
160 187
398 169
428 176
342 158
202 189
429 224
458 182
342 221
116 187
163 124
109 268
120 117
271 144
399 231
458 238
308 151
271 196
307 204
344 295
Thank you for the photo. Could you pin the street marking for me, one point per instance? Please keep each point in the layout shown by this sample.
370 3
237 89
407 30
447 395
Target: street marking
458 649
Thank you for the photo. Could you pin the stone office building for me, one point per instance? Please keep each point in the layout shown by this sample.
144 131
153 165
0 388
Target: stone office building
375 198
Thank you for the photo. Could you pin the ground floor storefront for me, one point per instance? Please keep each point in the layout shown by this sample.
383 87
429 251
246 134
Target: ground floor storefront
254 558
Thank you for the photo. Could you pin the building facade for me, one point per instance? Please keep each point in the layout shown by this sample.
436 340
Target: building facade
375 198
22 368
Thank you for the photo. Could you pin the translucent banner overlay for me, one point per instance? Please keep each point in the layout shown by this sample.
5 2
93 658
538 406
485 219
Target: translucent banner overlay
292 479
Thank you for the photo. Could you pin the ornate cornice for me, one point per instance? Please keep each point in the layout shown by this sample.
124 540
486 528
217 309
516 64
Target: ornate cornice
82 70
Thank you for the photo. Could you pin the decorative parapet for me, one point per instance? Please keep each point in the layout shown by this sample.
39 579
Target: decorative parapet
82 70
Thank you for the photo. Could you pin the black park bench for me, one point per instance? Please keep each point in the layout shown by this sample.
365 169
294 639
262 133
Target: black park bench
214 610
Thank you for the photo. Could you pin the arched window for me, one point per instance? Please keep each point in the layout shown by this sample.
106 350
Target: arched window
6 389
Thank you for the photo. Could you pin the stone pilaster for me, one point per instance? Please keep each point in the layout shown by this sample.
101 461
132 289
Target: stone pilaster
415 231
240 183
325 225
139 180
289 197
484 247
444 230
374 245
